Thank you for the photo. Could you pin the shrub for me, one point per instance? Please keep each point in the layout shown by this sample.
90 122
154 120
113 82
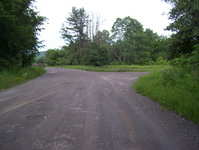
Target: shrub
161 61
97 55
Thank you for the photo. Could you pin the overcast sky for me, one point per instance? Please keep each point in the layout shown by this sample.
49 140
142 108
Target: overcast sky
148 12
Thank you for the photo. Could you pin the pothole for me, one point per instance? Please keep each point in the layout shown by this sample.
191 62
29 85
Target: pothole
36 117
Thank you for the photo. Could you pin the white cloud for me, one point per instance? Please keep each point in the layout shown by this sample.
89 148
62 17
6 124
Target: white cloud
148 12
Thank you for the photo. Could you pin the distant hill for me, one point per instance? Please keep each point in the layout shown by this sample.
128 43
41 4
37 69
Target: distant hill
41 54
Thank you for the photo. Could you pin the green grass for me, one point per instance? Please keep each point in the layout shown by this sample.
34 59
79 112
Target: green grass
120 68
17 76
180 94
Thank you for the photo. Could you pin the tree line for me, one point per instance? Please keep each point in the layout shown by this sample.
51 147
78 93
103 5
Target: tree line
127 43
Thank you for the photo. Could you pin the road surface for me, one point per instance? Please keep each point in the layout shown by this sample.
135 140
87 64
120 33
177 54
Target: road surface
69 109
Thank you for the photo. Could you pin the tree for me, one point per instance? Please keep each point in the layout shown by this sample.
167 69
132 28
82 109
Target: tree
93 25
97 55
103 37
161 48
157 45
184 14
19 26
51 57
80 31
55 57
126 28
133 45
128 41
75 31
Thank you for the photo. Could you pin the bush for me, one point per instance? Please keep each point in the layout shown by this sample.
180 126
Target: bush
96 55
151 62
189 62
177 87
161 61
194 59
62 61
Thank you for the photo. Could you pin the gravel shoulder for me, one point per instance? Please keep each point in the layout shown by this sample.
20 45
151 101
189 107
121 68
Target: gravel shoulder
69 109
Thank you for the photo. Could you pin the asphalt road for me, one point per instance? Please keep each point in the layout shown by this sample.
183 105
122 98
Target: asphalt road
77 110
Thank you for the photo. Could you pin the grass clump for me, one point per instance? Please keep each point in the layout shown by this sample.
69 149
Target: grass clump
177 88
174 88
15 76
119 68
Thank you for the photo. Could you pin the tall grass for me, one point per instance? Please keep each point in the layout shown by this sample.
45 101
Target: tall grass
119 68
15 76
173 88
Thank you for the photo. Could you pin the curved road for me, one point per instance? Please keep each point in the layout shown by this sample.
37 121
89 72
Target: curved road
69 109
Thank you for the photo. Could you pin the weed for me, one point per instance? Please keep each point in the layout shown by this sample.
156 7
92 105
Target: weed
175 89
120 68
15 76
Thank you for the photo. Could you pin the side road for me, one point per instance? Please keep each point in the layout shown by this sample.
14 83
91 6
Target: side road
69 109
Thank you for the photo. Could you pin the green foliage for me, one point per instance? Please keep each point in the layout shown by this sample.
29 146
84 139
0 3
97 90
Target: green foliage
132 45
74 30
91 57
177 87
188 63
194 59
97 55
103 38
15 76
126 35
161 61
128 44
120 68
19 26
51 57
54 57
174 90
182 62
126 28
184 14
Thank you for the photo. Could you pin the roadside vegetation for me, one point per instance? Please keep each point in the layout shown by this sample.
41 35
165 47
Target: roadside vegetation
176 88
20 25
120 68
15 76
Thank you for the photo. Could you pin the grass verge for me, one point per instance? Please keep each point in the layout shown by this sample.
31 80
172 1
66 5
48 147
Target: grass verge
180 94
17 76
119 68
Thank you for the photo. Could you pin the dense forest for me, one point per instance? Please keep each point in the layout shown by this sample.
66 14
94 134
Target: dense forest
127 43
